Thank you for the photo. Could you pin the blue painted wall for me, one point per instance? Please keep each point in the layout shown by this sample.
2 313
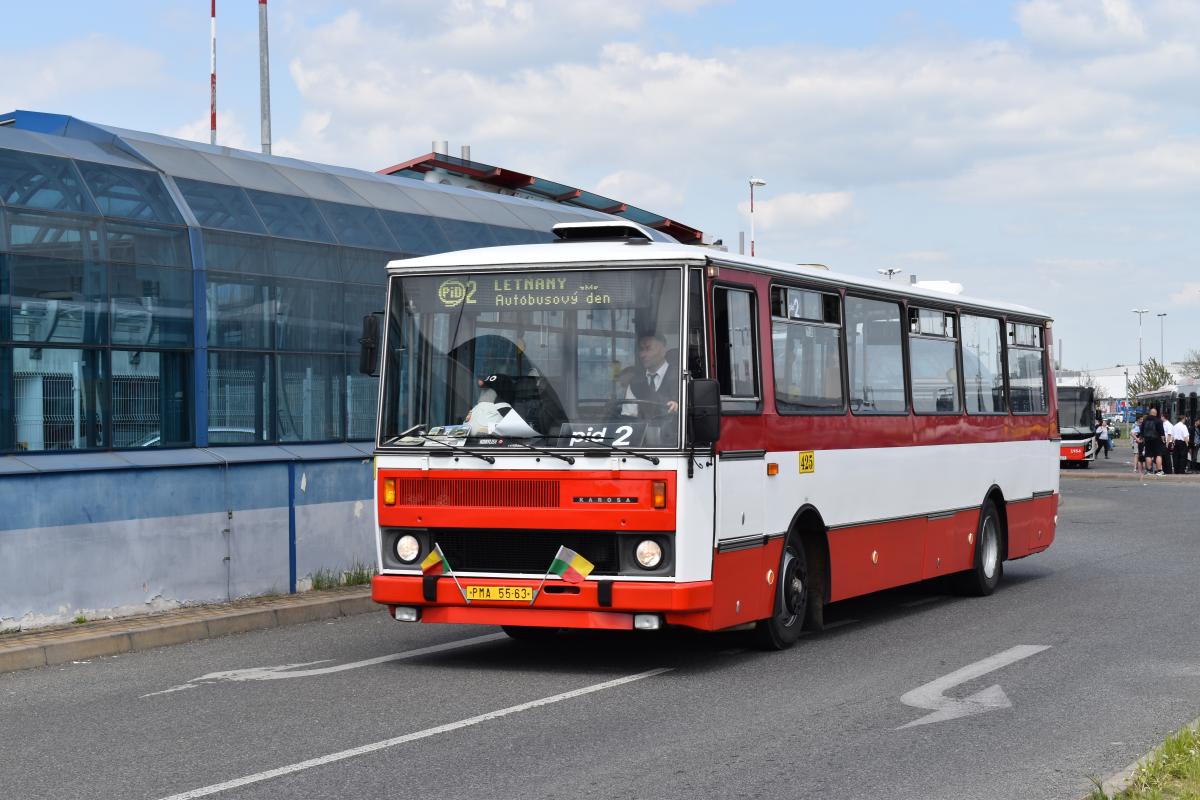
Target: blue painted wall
127 540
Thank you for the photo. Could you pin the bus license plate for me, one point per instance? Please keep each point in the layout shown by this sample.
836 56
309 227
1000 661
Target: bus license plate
512 594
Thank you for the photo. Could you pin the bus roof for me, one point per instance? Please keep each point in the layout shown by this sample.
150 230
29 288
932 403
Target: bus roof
556 254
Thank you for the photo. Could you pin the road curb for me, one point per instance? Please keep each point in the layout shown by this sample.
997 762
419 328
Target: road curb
47 648
1119 782
1098 475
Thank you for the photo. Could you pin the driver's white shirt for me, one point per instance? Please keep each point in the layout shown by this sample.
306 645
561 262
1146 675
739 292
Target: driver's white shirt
631 410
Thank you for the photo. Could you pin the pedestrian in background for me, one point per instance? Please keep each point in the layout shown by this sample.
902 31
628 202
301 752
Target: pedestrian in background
1138 444
1195 440
1183 440
1102 436
1168 465
1153 436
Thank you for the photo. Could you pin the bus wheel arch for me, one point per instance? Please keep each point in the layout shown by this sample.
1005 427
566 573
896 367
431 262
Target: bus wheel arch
809 527
987 566
996 496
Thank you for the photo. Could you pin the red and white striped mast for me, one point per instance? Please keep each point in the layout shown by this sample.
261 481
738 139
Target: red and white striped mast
212 101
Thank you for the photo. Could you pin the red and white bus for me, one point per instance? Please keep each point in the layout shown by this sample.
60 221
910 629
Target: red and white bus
728 442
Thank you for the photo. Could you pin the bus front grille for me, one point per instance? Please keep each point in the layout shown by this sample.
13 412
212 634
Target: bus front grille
523 551
477 492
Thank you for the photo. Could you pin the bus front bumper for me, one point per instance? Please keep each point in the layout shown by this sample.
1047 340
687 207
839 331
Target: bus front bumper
687 604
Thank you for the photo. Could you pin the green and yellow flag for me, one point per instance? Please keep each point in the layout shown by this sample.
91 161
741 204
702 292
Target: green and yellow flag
570 566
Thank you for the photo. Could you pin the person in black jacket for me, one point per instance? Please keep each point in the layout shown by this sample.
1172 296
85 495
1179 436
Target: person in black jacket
656 384
1153 434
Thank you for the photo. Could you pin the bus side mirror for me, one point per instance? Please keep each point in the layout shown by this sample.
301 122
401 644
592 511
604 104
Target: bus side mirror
704 411
368 346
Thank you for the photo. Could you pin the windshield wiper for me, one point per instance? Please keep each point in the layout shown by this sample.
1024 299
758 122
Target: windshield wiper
404 434
612 448
559 456
455 448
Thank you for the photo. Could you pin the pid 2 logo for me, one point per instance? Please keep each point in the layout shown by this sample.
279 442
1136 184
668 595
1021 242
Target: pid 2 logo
454 292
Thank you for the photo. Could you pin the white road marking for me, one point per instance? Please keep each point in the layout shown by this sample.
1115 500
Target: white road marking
258 777
294 671
930 696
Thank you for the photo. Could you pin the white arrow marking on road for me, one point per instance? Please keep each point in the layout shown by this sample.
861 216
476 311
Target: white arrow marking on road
292 670
931 695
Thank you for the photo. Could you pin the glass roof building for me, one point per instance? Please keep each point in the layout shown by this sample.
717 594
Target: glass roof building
157 293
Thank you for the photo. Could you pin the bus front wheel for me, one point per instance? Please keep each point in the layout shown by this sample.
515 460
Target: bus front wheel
781 630
988 564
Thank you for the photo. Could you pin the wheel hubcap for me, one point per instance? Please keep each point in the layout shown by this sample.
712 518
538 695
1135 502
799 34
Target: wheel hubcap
990 544
792 588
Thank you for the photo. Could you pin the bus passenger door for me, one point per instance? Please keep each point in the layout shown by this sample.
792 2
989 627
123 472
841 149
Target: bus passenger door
741 556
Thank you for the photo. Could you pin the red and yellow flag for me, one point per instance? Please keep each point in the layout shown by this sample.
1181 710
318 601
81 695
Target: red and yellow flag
434 563
570 566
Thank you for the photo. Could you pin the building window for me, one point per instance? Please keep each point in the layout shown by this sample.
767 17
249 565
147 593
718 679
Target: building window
239 398
151 399
60 398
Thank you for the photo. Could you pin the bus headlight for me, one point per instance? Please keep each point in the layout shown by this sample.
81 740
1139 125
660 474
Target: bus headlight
408 548
648 554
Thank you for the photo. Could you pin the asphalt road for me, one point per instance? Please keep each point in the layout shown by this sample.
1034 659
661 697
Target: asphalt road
1114 602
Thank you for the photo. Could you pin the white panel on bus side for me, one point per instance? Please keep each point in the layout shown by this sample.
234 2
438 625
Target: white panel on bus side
741 494
694 521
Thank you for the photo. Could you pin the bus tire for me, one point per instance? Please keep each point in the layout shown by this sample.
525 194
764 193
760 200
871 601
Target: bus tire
988 565
781 630
1085 464
530 634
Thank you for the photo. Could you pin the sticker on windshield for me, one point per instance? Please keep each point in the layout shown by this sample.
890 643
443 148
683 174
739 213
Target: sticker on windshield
625 434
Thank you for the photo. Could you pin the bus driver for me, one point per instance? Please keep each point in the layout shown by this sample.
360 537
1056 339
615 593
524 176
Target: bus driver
656 385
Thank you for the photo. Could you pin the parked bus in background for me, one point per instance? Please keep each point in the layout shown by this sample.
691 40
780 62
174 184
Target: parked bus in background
617 431
1077 426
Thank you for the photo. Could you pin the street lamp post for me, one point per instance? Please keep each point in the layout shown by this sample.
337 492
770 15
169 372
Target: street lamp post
1140 312
889 272
1162 351
753 182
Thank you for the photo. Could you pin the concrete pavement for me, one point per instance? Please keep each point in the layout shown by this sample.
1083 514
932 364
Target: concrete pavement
63 644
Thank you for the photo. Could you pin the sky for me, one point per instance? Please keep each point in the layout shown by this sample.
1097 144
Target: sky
1043 152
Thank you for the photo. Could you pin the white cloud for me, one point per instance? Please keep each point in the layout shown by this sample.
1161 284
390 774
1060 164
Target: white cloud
1189 295
230 131
924 257
1081 24
640 189
795 210
69 72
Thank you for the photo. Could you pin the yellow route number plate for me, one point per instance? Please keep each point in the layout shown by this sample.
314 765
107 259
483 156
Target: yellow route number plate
512 594
808 461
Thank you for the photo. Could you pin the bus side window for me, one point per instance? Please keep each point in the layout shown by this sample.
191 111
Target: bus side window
875 354
1026 369
933 361
737 370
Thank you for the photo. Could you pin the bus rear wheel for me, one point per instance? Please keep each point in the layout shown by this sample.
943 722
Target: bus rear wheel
781 630
988 565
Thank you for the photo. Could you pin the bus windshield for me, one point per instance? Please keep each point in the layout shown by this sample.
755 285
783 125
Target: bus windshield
1075 408
566 358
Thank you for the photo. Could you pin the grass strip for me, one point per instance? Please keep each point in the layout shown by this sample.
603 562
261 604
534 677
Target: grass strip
1171 772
